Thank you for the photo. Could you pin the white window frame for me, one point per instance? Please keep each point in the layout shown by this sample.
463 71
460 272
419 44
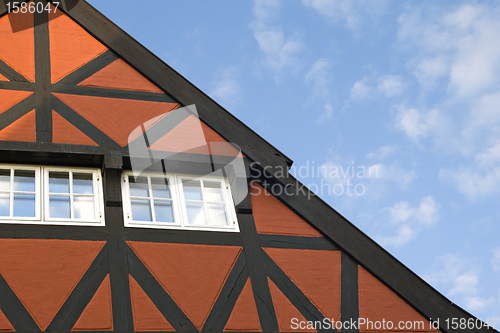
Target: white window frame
42 197
98 195
179 204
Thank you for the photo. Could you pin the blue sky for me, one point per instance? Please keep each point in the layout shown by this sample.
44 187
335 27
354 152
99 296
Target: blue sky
405 92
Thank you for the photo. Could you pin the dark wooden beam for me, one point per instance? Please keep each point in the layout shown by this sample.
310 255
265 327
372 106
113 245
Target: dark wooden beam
183 236
12 85
34 231
297 242
112 93
349 304
117 246
17 111
43 99
257 271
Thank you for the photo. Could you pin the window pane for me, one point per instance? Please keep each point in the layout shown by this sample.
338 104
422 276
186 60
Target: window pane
4 180
138 186
141 210
217 215
58 182
192 189
195 213
161 189
213 191
24 180
24 205
164 211
4 204
59 207
84 207
83 183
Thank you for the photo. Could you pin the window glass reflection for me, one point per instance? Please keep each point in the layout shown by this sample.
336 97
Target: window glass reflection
58 182
24 180
83 183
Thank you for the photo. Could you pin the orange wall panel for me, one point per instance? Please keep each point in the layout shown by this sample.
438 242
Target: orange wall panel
273 217
3 78
43 273
23 129
244 316
185 137
9 98
377 303
5 325
147 317
286 312
64 132
120 75
117 118
192 274
18 49
71 46
316 273
98 314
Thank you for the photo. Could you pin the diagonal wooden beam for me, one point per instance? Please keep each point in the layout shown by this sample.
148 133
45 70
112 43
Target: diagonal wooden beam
83 124
293 293
89 69
11 73
161 299
221 311
80 297
17 111
14 309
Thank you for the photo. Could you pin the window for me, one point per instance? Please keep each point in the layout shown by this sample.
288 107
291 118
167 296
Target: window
49 195
178 202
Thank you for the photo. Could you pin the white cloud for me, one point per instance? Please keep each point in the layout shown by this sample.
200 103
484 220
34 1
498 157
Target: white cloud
481 178
495 261
280 51
390 85
416 124
459 45
351 13
385 85
327 113
382 152
318 77
409 221
393 173
465 283
226 88
476 303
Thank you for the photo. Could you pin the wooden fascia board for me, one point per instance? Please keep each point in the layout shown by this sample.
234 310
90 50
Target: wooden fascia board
413 289
153 68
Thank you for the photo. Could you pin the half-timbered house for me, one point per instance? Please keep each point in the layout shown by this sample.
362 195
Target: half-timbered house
118 211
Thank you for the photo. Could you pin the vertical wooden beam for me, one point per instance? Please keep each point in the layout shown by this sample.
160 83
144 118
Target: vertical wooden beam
349 307
255 264
43 100
117 247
